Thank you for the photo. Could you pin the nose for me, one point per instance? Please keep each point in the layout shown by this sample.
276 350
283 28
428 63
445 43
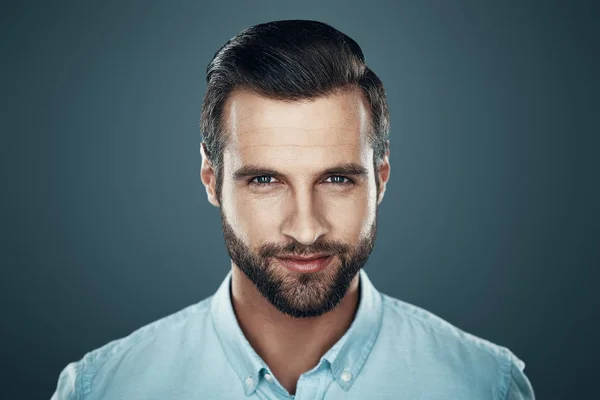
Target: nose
305 222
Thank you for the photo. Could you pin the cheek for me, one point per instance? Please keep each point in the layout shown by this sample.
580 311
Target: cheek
254 219
352 217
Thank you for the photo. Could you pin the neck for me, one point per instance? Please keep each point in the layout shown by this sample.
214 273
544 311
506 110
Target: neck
290 346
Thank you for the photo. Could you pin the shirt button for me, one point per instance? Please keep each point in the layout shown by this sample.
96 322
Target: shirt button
249 381
346 376
269 377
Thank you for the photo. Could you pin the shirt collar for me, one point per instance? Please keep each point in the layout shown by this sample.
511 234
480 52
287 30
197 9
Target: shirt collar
346 357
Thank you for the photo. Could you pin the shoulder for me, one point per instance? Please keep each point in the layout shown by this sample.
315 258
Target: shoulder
161 331
430 343
428 326
162 338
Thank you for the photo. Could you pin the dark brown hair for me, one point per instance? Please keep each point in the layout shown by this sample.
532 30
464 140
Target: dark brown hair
289 60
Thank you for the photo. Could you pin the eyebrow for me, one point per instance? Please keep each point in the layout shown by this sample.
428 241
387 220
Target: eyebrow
251 171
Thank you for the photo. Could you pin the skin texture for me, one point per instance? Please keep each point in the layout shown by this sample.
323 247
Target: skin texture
290 318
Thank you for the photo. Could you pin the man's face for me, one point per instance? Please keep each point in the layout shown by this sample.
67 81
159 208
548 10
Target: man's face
298 180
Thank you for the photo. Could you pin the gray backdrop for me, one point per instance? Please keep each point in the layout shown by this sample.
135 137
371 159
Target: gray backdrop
490 219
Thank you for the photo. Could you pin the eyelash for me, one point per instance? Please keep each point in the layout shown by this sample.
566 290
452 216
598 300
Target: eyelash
259 184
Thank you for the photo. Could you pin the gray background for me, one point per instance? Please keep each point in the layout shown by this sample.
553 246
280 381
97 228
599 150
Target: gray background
490 219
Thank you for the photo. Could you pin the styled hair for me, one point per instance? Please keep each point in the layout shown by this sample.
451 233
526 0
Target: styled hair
289 60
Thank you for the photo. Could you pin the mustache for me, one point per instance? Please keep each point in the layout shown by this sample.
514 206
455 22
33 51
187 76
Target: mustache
268 250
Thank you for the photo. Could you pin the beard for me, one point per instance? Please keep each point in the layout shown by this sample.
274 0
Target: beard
297 294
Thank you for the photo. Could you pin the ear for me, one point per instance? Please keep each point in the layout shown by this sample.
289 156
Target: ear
208 177
384 172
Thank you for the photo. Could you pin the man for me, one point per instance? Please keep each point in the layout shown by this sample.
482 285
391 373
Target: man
295 155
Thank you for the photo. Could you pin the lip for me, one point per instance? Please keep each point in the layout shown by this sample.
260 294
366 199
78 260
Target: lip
305 258
306 265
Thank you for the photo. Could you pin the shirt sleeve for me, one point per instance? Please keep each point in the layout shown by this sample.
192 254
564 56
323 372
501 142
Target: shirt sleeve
519 386
66 388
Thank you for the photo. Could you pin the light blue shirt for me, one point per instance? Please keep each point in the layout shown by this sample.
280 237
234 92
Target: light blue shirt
392 350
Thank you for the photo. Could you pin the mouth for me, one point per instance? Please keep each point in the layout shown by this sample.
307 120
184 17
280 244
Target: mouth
306 264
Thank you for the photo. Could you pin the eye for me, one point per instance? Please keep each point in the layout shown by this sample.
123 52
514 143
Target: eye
267 180
339 180
263 180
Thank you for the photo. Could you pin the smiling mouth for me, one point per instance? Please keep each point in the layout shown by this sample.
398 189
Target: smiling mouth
309 264
305 258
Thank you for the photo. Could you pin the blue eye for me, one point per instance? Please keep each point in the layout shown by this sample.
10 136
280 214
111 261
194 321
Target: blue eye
266 180
340 181
261 180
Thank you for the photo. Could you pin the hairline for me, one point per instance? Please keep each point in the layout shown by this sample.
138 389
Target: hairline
225 133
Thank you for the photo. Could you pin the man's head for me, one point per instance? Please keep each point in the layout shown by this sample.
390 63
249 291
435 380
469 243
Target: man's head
295 156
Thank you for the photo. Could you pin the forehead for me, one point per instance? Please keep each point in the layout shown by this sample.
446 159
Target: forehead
307 134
